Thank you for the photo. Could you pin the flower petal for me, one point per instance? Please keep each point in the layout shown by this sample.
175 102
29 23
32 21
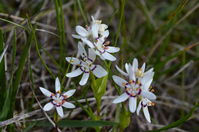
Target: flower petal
131 73
84 79
147 85
143 67
121 71
89 43
127 67
121 98
75 73
60 111
135 64
81 31
48 107
147 77
57 85
99 71
108 56
119 81
73 60
132 104
148 95
95 29
105 34
69 93
76 36
146 114
112 49
150 71
81 50
46 92
91 54
68 105
139 108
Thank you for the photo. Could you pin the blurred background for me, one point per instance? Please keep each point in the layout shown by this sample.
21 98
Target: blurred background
162 33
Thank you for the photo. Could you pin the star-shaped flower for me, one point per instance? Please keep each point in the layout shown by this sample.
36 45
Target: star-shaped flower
144 103
85 65
58 100
135 87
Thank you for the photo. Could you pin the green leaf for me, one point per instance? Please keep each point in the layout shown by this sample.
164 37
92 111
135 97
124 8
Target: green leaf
102 82
78 123
178 122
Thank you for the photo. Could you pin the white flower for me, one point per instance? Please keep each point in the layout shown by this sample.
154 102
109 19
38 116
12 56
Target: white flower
95 37
135 87
144 103
58 100
85 65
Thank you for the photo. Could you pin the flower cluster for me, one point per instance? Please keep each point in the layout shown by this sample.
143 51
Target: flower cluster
93 42
94 36
136 87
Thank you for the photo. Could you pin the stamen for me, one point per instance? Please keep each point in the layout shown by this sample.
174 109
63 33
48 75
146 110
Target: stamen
107 43
71 61
139 73
123 84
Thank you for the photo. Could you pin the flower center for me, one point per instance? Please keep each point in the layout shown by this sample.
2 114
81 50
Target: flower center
58 100
132 88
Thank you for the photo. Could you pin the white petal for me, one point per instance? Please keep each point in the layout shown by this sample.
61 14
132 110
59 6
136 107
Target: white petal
121 98
119 81
99 71
121 71
48 107
146 114
112 49
132 104
91 54
139 108
103 27
60 111
74 73
148 95
131 73
135 64
69 93
89 43
93 19
147 77
143 67
81 31
127 67
45 92
76 36
68 105
147 85
148 72
95 29
81 50
105 34
84 79
57 85
108 56
73 60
